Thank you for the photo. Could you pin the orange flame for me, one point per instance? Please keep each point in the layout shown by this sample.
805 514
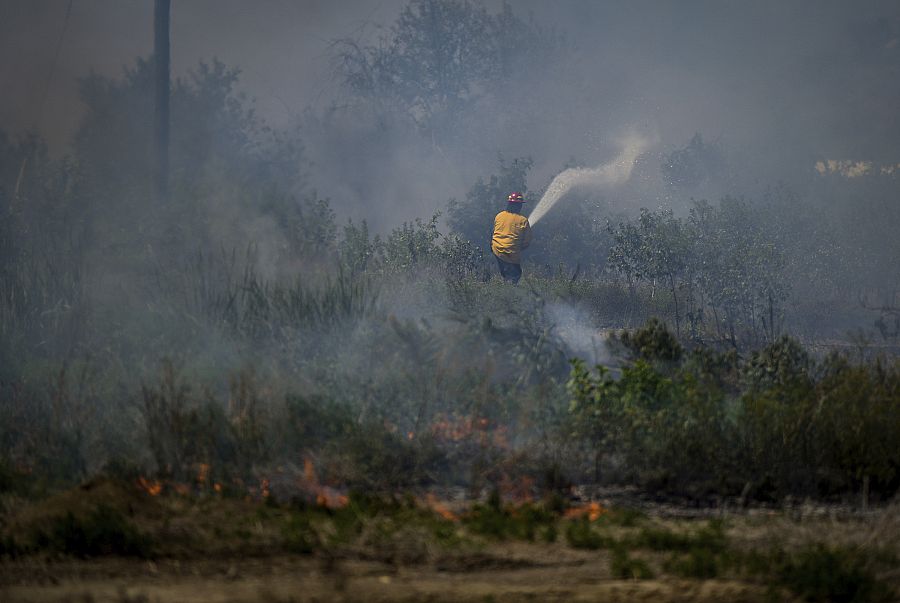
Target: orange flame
151 487
202 473
592 511
432 502
325 496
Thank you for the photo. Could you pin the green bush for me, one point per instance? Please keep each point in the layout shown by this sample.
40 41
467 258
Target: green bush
299 535
823 573
710 537
524 522
700 563
622 566
652 342
580 534
103 531
774 424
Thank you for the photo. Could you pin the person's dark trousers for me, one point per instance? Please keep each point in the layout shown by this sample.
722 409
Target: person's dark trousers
511 273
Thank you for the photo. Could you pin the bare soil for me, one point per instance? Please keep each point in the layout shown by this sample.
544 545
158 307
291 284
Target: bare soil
507 573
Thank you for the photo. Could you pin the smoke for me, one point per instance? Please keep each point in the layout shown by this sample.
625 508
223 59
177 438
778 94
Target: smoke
614 173
575 328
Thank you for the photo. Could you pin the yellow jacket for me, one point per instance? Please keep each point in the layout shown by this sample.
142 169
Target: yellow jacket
512 234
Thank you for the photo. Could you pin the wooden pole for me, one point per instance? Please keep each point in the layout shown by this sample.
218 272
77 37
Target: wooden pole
161 130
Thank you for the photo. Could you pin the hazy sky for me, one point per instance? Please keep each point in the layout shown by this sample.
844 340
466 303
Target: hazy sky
281 47
782 81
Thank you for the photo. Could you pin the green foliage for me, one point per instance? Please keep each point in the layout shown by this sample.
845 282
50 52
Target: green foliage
411 245
523 522
777 421
582 534
104 531
256 308
652 342
624 516
820 573
698 563
710 537
624 567
356 250
723 268
299 535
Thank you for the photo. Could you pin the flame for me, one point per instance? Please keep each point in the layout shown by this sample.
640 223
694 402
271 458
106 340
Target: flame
151 487
202 473
432 502
591 510
326 496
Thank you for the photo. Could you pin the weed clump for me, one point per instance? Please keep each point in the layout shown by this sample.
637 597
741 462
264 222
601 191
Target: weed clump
710 537
823 573
699 563
624 567
523 522
580 534
104 531
299 536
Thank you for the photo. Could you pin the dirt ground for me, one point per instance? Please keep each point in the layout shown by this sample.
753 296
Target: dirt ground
511 573
215 569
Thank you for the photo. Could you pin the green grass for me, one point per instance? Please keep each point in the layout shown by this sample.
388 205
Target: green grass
624 567
581 534
711 537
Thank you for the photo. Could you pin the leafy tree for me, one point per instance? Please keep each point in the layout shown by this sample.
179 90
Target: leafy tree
441 59
223 158
656 249
739 268
356 248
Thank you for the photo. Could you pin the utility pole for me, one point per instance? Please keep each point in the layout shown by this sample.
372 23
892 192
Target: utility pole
161 129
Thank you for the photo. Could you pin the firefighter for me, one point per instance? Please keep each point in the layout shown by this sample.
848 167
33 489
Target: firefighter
512 234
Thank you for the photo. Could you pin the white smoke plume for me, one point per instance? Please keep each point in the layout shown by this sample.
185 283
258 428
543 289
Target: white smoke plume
614 173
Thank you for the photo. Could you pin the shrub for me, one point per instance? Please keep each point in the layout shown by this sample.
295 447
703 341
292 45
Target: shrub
700 563
627 568
580 534
822 573
523 522
103 531
299 535
652 342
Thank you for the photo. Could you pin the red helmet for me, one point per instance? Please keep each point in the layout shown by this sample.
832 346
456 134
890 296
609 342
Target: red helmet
516 198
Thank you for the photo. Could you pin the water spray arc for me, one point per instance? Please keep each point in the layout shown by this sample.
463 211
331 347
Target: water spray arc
613 173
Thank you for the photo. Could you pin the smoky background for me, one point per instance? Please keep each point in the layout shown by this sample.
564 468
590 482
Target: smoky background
323 255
